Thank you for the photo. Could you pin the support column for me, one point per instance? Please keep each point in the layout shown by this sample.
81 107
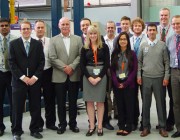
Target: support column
4 8
56 14
78 7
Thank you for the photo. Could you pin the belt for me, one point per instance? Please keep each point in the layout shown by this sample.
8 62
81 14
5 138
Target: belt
92 64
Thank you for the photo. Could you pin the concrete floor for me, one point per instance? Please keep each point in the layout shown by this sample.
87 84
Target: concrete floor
83 125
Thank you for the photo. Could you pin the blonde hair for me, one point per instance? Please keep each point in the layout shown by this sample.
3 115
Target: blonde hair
93 29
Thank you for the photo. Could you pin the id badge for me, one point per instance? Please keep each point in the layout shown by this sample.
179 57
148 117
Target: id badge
146 49
122 75
176 62
96 71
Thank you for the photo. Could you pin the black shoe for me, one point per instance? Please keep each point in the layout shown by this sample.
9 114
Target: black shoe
108 126
16 137
52 127
169 128
100 132
91 132
36 135
61 130
175 135
40 129
1 133
74 129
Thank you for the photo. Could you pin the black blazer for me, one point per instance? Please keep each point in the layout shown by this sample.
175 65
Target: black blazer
19 62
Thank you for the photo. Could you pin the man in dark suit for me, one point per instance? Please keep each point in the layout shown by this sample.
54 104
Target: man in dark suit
26 61
84 24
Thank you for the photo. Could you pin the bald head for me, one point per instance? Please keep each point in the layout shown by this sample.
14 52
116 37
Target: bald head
64 26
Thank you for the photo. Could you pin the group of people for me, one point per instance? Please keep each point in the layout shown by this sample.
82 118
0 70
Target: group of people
146 60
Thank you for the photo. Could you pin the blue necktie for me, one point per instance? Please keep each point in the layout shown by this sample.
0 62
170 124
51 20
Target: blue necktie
27 47
136 46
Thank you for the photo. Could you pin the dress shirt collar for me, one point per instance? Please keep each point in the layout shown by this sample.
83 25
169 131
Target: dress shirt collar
106 38
24 40
65 36
43 39
166 27
136 37
152 43
2 37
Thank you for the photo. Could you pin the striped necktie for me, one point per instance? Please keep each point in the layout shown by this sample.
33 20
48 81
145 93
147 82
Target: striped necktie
163 34
5 53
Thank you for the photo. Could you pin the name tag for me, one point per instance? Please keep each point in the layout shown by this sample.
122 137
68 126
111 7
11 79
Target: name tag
122 75
176 62
96 71
146 49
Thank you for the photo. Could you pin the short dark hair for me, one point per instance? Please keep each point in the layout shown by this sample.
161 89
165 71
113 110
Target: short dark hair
5 20
125 18
86 19
151 25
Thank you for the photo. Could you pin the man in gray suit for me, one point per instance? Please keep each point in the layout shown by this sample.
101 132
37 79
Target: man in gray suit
64 54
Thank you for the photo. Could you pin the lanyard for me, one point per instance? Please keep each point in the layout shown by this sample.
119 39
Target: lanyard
177 48
95 55
165 34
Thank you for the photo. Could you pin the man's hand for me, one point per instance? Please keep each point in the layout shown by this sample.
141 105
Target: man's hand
31 81
139 81
165 82
68 70
26 80
121 86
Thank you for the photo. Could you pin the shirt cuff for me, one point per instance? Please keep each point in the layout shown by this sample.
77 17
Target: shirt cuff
22 77
35 77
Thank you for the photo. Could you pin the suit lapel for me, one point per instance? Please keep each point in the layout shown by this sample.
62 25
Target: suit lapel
31 46
63 45
71 45
22 47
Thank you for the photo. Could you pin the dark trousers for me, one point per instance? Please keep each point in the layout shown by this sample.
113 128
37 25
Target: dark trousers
125 106
61 90
170 119
18 101
175 81
49 98
5 85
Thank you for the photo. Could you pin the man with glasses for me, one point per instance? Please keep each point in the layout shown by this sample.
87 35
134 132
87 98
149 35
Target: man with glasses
26 61
5 74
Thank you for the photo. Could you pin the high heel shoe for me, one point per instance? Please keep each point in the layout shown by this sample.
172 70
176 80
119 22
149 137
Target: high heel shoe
100 132
91 132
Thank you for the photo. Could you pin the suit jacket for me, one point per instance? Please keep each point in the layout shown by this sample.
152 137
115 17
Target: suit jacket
19 62
59 58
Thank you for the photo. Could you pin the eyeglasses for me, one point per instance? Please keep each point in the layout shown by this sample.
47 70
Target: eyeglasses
124 39
6 25
26 29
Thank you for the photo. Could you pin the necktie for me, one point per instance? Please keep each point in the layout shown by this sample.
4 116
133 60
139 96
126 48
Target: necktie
27 47
163 34
41 42
136 46
5 53
177 46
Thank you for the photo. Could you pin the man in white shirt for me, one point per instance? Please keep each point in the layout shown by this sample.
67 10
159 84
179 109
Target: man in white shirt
109 38
164 32
47 85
